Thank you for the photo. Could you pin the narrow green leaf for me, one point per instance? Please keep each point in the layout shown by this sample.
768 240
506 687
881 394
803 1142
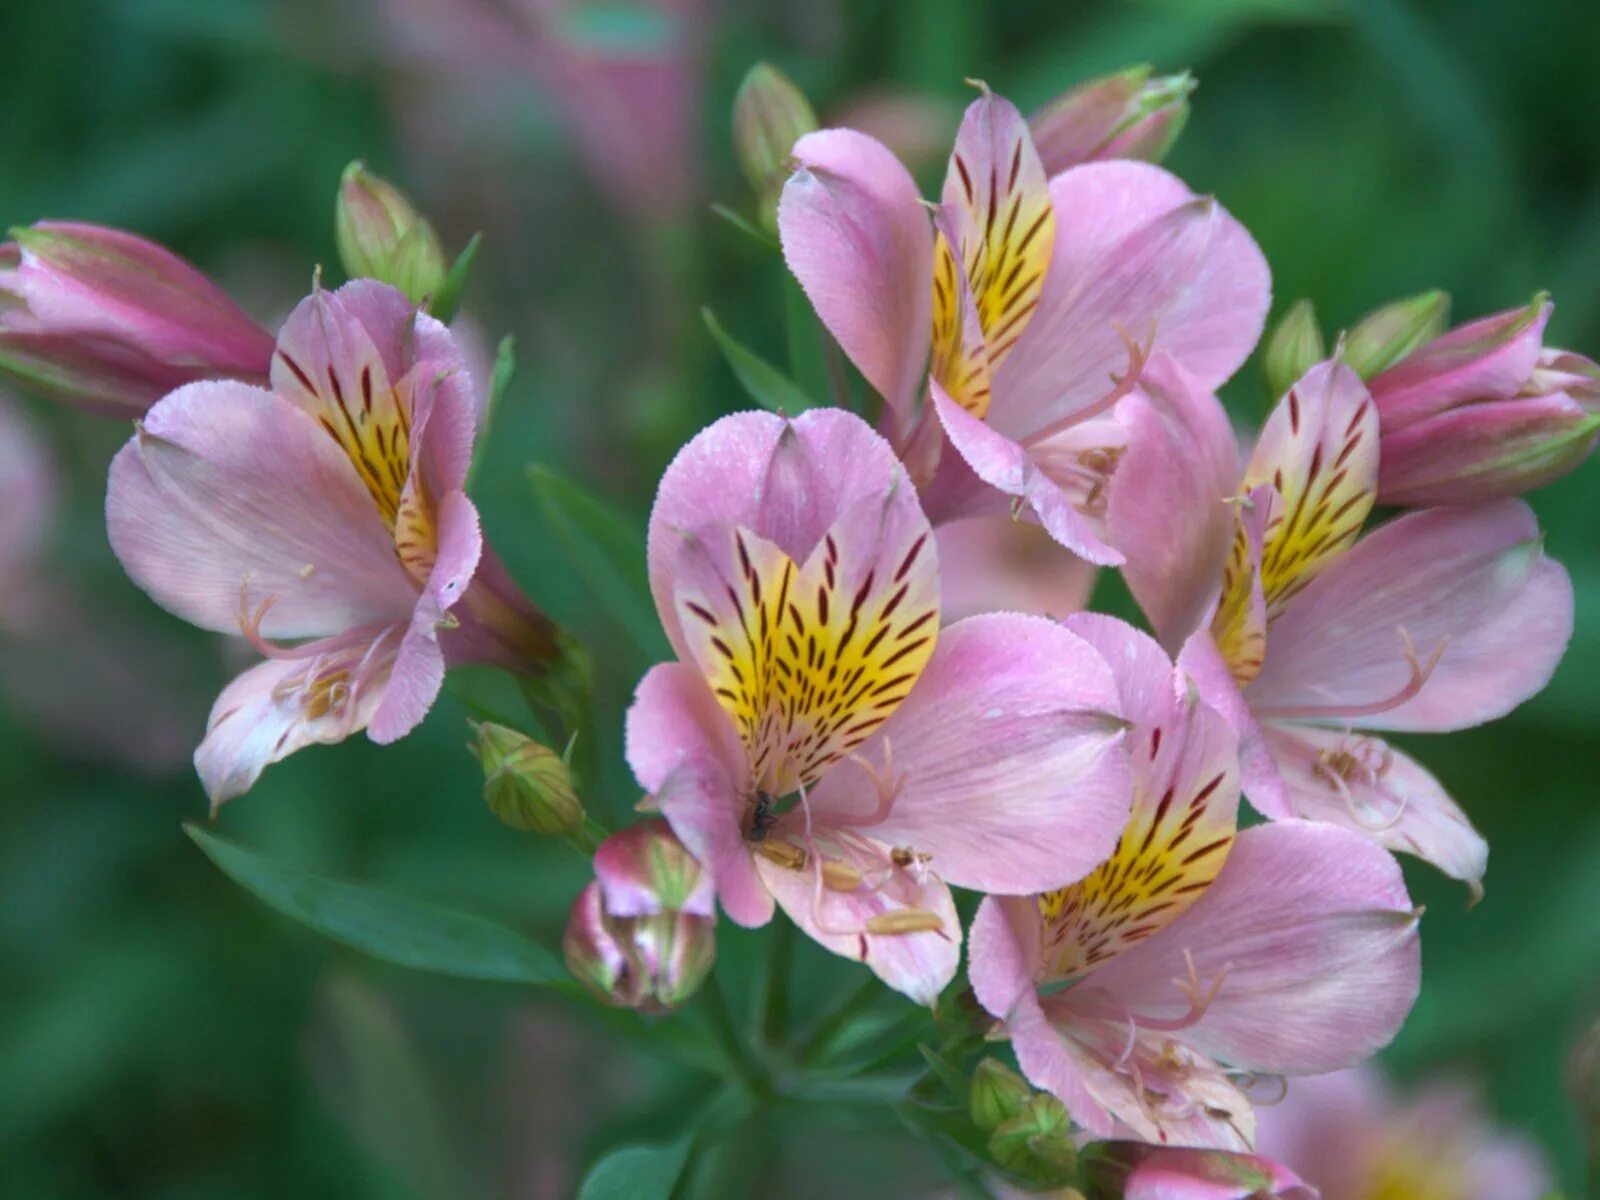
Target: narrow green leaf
768 386
444 305
505 366
410 933
607 553
745 226
637 1172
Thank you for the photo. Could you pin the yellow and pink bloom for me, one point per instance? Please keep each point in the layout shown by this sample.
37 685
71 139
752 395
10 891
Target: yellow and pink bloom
1197 957
821 744
329 511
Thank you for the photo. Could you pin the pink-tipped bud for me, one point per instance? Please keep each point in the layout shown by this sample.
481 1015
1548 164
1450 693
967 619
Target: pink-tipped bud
642 935
382 236
1135 1171
1132 114
1484 412
107 321
770 114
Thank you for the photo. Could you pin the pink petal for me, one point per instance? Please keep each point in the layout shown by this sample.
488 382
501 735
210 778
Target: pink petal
919 965
857 238
262 716
1010 745
1487 359
703 806
445 421
1133 248
785 480
364 323
1166 508
419 667
1314 938
1007 466
1473 582
999 564
1003 953
1258 774
229 492
1383 795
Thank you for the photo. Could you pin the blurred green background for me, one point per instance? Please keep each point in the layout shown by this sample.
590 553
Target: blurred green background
163 1035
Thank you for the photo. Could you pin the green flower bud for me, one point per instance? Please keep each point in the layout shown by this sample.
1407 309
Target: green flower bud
1387 334
770 114
1292 349
381 236
1037 1142
525 784
996 1094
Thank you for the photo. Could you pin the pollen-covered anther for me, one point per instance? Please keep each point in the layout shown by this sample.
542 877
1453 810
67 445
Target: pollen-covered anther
905 920
840 877
785 854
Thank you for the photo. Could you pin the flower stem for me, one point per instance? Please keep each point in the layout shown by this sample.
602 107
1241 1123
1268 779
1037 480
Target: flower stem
726 1035
775 997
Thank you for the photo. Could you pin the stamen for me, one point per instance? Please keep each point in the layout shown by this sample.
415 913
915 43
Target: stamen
905 920
1420 673
1122 384
887 784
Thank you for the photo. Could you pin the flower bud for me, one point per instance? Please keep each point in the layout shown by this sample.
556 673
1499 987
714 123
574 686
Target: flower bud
525 784
382 236
1037 1143
996 1094
1292 349
770 114
642 935
1136 1171
107 321
1484 412
1387 334
1132 114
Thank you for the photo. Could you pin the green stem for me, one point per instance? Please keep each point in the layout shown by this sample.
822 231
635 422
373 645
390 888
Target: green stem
835 1023
588 837
775 1000
723 1032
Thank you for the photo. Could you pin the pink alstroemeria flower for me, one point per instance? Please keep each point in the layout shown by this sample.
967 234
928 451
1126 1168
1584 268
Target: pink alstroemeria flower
329 508
1145 996
1438 620
1484 412
1139 1171
1351 1136
110 322
1029 306
821 743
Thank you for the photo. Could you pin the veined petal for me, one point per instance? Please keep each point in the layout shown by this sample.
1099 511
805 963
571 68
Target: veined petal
857 238
1369 787
1203 663
1319 452
1185 801
1005 764
1007 223
787 481
1314 941
675 719
419 668
918 963
808 660
1167 504
281 705
1471 586
1134 249
331 362
229 497
960 362
1007 466
1239 624
705 809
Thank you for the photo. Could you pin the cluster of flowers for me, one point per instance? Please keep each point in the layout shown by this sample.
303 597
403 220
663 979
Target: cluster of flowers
1047 346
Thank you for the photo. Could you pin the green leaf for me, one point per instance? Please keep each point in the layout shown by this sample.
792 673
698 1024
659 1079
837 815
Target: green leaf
637 1172
505 366
444 305
607 553
768 386
409 933
745 226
